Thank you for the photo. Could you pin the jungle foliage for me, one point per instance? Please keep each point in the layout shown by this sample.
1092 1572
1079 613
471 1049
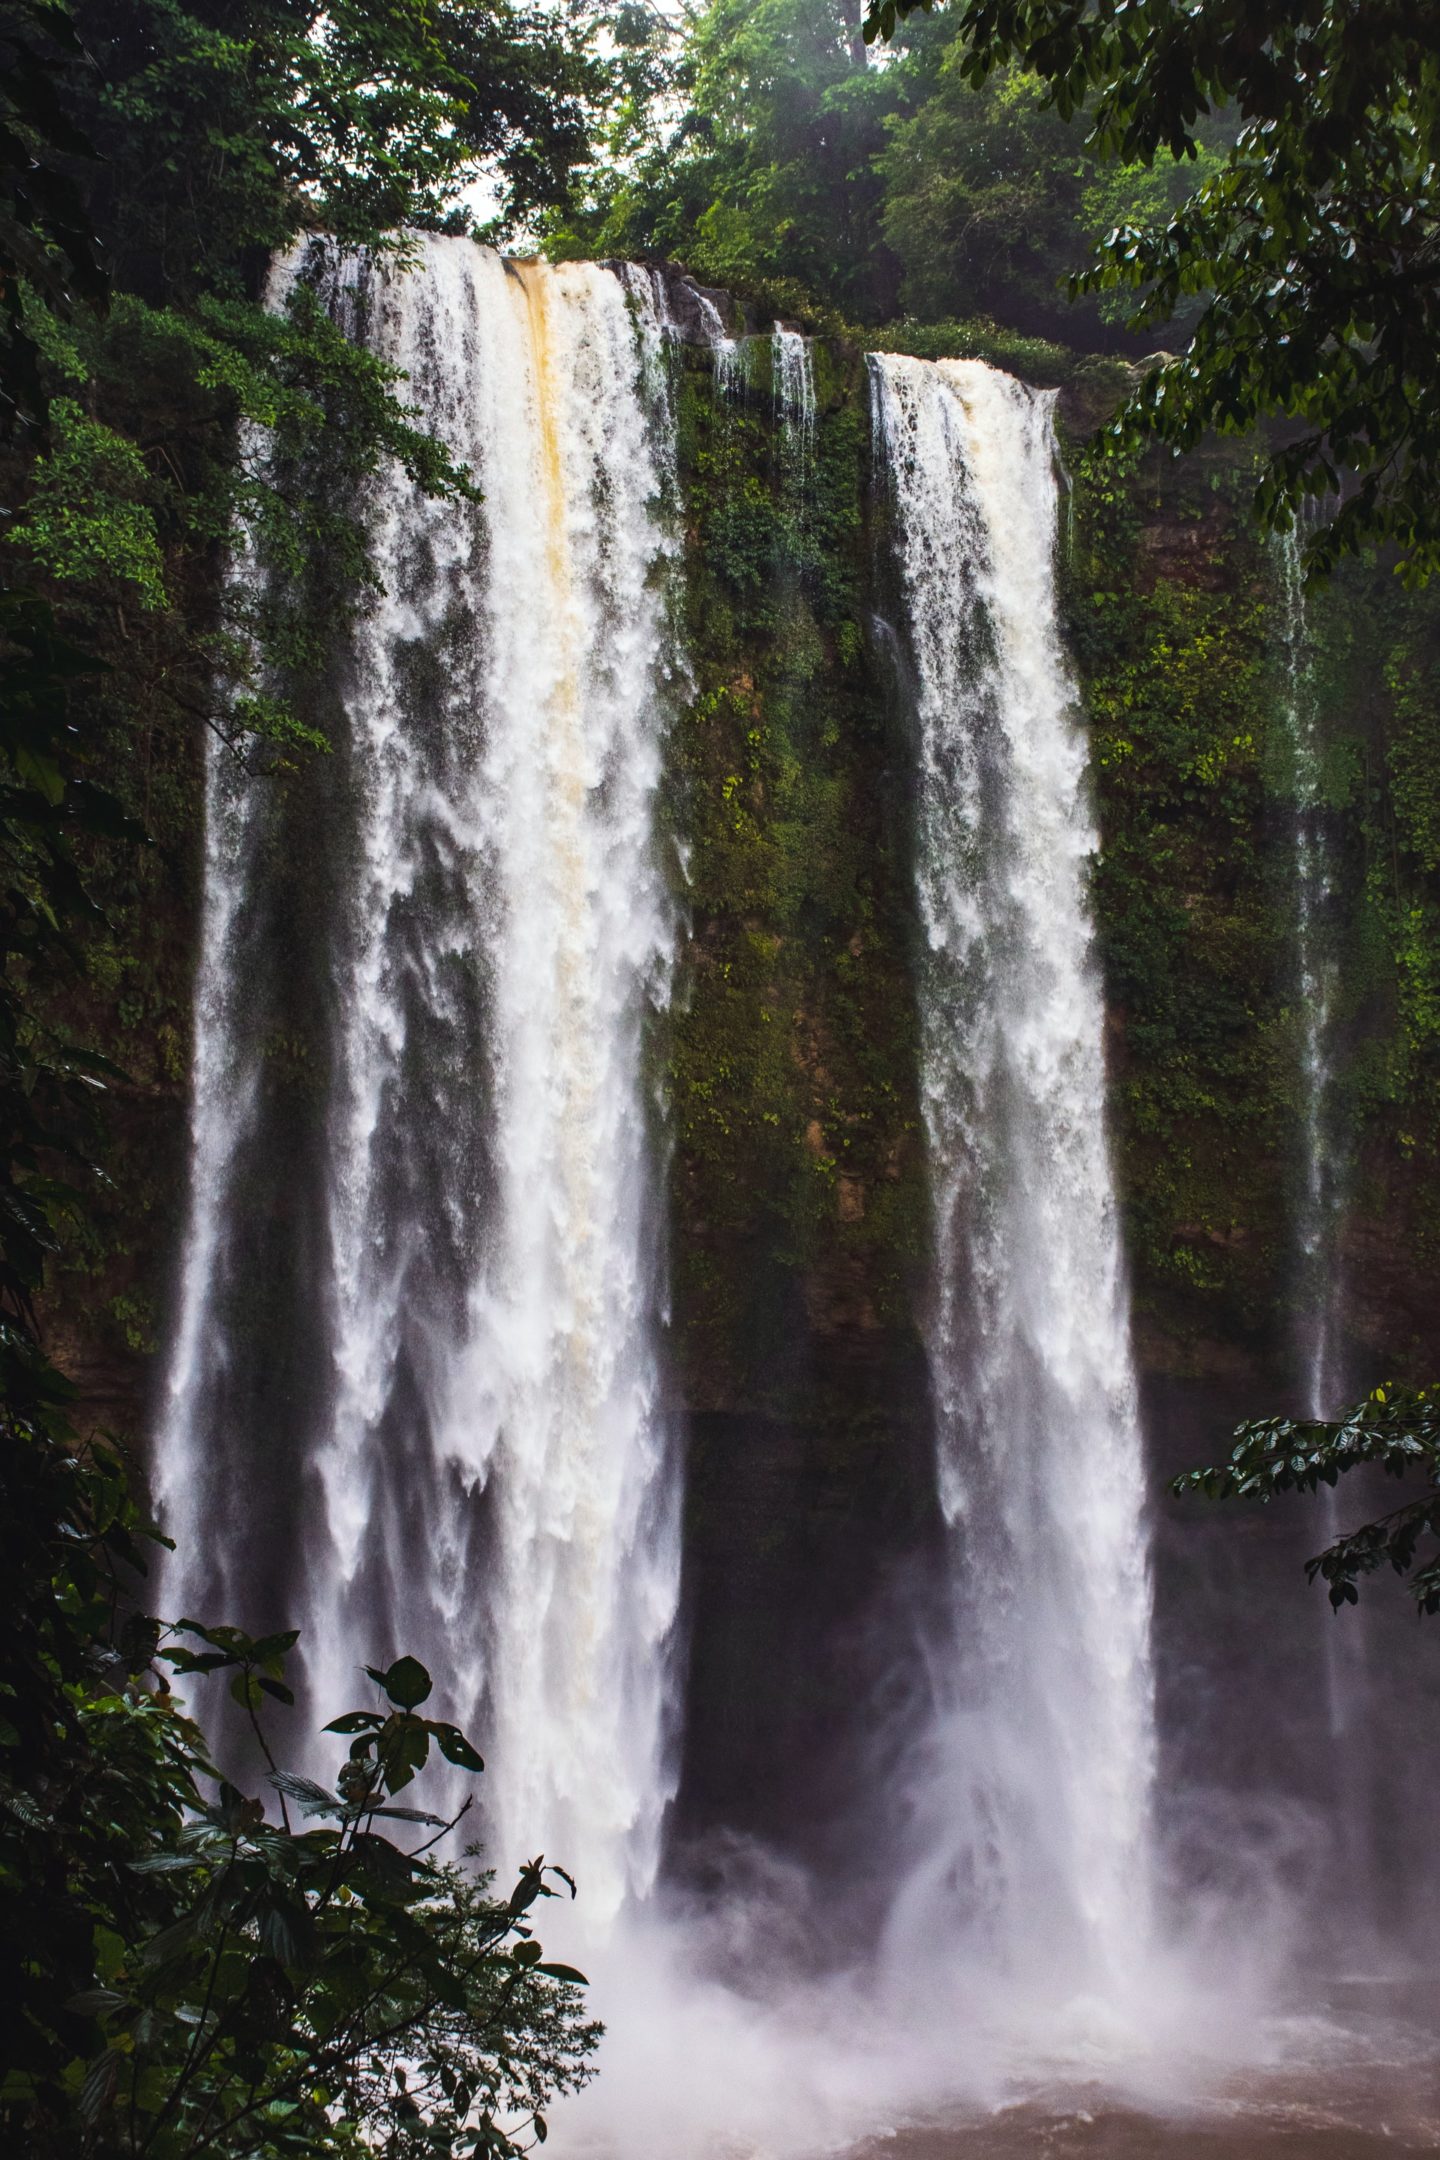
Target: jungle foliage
179 1975
164 1945
1311 242
213 134
760 145
184 1976
1252 187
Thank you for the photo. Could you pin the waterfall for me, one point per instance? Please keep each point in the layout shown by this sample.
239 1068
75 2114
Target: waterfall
1321 1184
794 395
188 1470
1318 1212
1033 1813
486 1475
729 351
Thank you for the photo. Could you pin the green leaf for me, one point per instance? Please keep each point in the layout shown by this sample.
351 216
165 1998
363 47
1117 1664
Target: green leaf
311 1798
455 1748
406 1683
98 2089
97 2002
274 1646
287 1930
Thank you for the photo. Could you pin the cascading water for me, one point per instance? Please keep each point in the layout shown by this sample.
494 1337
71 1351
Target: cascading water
1320 1205
189 1471
794 395
1321 1185
1033 1811
487 1477
729 351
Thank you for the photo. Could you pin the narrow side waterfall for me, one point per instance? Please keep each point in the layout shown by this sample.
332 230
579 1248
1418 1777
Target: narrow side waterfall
1322 1172
194 1479
1318 1215
484 1469
1034 1811
793 369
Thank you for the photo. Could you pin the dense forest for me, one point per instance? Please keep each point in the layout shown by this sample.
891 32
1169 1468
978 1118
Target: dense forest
1219 254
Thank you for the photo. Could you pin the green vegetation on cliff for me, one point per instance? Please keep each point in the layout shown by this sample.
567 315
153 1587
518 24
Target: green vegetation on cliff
799 1179
1178 622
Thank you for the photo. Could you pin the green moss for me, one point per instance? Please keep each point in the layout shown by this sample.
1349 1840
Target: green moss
1174 645
1176 620
801 1208
801 1223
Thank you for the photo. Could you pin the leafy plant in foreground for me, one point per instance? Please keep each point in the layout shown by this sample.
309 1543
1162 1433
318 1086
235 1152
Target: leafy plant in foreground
1394 1428
179 1975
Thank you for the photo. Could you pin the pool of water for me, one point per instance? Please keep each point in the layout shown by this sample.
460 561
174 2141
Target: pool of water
1079 2133
695 2073
1356 2078
1344 2113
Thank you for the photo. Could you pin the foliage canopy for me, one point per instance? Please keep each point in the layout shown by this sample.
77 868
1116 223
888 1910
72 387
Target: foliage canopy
1313 244
760 145
186 1977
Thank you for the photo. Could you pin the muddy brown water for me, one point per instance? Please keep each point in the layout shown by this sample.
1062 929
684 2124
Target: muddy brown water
1375 2114
1361 2082
1029 2133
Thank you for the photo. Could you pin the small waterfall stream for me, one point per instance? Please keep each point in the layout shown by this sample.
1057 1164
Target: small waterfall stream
1322 1171
487 1479
793 369
1319 1211
1035 1810
197 1402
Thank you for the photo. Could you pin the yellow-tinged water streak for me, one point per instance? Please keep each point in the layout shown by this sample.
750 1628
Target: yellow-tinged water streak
563 746
585 1559
536 280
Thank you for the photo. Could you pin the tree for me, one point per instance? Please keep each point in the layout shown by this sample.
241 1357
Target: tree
47 244
757 145
1394 1428
191 1978
1314 244
150 159
221 130
768 177
990 196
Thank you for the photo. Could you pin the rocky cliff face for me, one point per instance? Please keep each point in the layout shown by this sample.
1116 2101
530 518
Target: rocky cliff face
799 1230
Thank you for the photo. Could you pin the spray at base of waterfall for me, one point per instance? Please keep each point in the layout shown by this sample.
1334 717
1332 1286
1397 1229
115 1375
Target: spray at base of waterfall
718 2048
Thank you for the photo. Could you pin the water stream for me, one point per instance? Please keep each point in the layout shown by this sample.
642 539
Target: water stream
1034 1807
1319 1214
793 369
488 1478
1322 1172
